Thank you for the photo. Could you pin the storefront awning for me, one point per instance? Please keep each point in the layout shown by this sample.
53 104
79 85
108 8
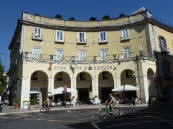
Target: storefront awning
126 88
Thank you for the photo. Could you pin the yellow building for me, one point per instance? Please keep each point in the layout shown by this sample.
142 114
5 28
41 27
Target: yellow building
90 57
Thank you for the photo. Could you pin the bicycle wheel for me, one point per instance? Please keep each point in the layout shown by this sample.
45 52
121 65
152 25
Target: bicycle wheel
42 109
46 109
102 113
116 112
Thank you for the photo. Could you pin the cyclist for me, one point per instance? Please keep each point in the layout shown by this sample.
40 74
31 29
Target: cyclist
110 101
45 105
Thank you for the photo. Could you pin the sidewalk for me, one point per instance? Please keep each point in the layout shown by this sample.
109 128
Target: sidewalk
10 109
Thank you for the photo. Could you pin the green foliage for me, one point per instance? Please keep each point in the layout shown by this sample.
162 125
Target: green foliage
58 16
32 102
3 79
92 18
72 19
122 15
106 17
16 100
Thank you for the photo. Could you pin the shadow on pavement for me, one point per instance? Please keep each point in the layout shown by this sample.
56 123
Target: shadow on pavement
157 116
1 108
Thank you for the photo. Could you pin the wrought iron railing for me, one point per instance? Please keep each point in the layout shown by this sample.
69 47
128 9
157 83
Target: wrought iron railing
88 59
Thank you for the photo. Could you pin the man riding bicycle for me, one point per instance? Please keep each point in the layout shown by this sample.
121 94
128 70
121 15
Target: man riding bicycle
45 106
110 101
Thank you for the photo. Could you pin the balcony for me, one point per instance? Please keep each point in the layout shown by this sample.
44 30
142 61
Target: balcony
75 59
102 41
81 41
38 38
124 39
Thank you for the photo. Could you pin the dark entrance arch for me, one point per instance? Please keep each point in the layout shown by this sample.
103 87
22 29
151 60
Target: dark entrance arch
128 78
62 79
84 86
152 89
39 87
106 85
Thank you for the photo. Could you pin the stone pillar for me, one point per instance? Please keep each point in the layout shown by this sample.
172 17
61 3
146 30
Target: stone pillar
25 90
50 84
117 82
74 88
95 87
138 84
144 89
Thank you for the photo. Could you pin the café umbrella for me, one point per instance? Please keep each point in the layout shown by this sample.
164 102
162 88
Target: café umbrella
59 90
126 88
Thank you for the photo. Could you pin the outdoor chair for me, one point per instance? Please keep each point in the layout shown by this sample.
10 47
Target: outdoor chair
95 101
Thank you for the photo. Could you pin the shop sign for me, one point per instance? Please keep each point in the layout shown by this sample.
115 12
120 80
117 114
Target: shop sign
85 68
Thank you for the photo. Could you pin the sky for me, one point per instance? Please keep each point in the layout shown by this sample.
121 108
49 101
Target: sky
11 11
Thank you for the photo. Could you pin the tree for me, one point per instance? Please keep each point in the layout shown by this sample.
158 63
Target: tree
92 18
106 17
3 79
58 16
72 19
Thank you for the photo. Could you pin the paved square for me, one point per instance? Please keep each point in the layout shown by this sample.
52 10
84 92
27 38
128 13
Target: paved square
156 117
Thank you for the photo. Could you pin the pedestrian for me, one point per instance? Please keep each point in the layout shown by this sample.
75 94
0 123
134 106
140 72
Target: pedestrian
73 101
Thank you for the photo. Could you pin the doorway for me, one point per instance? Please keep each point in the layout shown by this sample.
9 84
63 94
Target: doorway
105 91
83 95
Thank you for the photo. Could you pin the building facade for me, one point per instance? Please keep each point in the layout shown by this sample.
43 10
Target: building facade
90 57
165 74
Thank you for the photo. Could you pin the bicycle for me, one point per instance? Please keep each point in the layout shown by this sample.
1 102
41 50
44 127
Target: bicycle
106 112
44 108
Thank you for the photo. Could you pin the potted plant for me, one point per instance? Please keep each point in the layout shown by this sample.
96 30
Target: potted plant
92 18
16 102
106 17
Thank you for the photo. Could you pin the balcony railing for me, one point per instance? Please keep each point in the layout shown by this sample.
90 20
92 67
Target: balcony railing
75 59
122 39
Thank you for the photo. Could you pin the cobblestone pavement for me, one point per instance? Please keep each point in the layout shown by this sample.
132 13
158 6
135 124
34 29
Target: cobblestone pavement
156 117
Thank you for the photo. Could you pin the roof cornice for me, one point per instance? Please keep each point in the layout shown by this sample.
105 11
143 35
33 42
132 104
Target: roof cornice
86 29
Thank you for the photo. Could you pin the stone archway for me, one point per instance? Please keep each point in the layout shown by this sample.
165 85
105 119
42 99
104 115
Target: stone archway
152 90
106 84
62 79
84 86
39 87
128 78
